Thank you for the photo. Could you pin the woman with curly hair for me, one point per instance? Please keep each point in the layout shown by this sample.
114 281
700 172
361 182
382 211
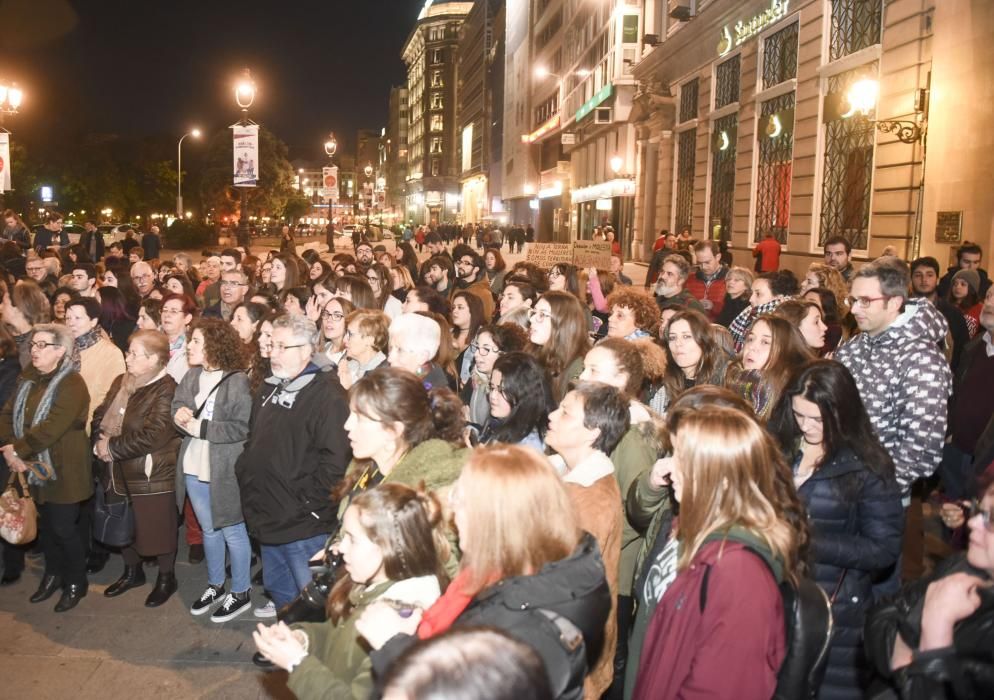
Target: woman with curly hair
558 332
633 315
827 277
212 408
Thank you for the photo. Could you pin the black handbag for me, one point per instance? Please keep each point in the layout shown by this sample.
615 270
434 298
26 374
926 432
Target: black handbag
113 523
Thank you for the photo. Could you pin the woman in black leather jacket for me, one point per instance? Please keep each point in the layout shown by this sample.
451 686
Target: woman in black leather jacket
936 638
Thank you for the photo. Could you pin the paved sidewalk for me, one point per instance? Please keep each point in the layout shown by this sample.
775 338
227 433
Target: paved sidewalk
116 647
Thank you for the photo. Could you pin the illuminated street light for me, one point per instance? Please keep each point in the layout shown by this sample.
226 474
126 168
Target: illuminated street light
617 162
862 98
11 97
245 90
195 133
331 145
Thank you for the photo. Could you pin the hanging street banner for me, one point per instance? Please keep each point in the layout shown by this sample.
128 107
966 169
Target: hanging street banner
329 183
4 162
246 155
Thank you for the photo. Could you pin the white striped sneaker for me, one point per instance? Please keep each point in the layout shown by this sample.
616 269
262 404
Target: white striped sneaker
267 611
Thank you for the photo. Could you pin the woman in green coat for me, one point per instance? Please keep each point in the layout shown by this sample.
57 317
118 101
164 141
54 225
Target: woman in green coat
45 421
391 546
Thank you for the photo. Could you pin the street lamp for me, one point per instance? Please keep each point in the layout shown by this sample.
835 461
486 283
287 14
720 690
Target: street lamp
368 170
11 97
616 163
244 97
195 133
862 98
331 145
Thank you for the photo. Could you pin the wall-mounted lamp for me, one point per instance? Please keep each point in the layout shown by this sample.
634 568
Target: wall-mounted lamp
862 99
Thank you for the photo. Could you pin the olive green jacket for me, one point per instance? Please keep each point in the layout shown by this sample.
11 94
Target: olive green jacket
63 433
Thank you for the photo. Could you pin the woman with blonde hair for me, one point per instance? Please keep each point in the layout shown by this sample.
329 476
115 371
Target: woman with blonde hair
822 275
512 552
736 542
738 286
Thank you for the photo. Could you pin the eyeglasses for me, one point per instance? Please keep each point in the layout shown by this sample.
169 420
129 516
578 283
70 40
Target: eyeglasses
280 347
538 314
42 344
232 283
554 274
171 312
131 354
333 315
35 268
864 302
373 279
484 350
985 514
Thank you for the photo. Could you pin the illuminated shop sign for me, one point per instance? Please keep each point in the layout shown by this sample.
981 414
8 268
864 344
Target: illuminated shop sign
588 106
745 29
620 187
541 131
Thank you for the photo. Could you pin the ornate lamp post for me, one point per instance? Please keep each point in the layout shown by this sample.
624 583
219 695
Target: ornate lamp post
244 97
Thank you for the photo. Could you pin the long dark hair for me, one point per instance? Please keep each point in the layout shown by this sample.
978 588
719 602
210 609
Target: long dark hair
113 308
526 387
830 386
712 365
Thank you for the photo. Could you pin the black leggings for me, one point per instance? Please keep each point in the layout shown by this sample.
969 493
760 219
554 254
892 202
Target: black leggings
64 539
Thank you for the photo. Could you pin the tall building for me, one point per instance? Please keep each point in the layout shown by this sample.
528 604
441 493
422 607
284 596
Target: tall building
773 118
430 53
475 105
520 171
395 167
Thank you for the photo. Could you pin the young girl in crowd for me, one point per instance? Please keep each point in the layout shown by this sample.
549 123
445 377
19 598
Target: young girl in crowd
390 548
558 331
773 350
520 402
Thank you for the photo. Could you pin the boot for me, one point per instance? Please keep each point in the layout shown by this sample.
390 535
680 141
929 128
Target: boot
132 577
165 586
50 583
96 561
71 595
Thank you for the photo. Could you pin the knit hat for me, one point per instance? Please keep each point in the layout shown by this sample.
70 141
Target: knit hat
971 277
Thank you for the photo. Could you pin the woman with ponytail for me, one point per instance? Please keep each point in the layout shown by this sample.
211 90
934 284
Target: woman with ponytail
391 548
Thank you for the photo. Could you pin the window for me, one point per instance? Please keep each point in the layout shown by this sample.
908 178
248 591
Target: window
436 100
437 56
723 172
550 30
855 26
776 148
436 145
726 82
848 169
780 56
436 167
436 78
686 158
545 111
437 123
436 33
688 100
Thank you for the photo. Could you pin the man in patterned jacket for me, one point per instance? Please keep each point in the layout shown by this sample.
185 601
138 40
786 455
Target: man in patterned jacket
903 378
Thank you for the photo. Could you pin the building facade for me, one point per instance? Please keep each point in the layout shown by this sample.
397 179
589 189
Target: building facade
395 165
430 54
749 122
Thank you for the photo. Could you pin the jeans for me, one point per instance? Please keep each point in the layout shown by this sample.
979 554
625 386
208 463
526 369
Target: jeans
63 540
284 567
234 536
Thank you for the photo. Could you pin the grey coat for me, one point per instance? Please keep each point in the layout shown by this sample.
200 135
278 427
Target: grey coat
226 433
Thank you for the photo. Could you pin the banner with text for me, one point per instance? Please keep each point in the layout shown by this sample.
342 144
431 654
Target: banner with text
246 155
329 183
580 253
4 161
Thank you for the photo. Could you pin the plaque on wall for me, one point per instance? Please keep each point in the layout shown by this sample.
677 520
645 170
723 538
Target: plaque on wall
948 227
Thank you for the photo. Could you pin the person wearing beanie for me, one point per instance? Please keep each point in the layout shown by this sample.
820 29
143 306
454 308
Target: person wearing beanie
964 294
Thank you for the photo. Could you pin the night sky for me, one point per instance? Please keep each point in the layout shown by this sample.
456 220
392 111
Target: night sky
155 67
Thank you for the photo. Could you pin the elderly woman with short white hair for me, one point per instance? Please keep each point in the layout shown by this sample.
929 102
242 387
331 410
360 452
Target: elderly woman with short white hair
414 343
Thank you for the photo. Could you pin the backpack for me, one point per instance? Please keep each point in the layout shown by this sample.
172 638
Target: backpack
807 616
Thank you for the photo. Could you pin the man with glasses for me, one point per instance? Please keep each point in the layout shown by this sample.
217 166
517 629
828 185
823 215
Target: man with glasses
37 269
234 289
296 454
143 278
470 276
364 254
51 230
903 378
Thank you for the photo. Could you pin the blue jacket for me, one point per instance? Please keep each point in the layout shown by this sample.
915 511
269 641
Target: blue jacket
857 523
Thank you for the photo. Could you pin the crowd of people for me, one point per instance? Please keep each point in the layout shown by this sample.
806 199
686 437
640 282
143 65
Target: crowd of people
485 480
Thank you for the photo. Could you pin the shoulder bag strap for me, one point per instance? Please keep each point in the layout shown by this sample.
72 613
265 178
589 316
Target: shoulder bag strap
200 408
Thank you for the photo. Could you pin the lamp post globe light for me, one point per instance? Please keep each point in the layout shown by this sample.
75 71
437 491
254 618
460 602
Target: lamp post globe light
244 97
368 171
195 133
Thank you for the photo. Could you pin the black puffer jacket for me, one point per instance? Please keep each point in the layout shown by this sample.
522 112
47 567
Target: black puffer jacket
574 588
964 671
857 522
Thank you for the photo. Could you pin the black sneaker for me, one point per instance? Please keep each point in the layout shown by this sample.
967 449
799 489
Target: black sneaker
234 604
203 603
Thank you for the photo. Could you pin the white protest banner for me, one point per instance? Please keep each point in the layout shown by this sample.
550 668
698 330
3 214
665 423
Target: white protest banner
246 155
545 255
4 161
592 254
